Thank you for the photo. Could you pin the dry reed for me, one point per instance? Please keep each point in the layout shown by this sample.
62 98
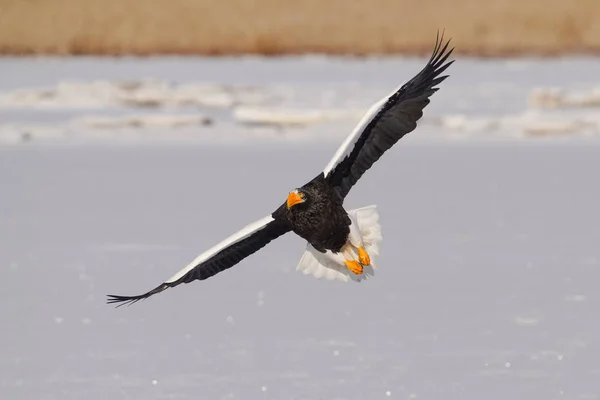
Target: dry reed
271 27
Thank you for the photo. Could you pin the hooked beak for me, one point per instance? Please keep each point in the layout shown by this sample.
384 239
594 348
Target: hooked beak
293 199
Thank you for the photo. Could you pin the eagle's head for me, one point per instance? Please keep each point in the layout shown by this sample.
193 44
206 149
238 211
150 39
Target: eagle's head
296 197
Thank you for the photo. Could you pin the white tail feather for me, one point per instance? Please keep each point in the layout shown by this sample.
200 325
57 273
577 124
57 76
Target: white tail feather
331 266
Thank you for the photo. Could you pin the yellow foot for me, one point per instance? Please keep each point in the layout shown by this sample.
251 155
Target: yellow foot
354 266
363 257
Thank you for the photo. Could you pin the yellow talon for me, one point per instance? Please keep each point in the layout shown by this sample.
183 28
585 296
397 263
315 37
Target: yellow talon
363 256
354 266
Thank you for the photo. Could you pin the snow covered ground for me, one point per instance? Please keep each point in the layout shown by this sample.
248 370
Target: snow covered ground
487 287
488 277
300 99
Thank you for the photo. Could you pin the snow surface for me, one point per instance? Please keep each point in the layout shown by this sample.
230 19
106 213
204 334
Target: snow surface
299 99
487 285
488 274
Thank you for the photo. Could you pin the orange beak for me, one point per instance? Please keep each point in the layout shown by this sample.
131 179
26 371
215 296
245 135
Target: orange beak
293 199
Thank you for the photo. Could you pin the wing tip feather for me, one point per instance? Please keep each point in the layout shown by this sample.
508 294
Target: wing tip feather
440 52
129 300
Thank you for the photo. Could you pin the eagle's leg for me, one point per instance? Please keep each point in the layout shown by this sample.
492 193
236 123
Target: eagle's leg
354 266
351 262
363 256
355 241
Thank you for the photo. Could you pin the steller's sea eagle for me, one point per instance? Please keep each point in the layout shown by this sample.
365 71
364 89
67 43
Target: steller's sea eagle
341 244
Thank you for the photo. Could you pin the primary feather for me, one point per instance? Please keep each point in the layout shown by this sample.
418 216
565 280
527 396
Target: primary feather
220 257
386 122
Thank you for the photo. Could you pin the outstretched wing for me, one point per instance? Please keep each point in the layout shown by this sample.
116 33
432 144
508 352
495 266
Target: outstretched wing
220 257
386 122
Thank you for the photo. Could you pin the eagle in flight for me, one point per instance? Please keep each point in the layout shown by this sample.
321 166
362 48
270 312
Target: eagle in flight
341 245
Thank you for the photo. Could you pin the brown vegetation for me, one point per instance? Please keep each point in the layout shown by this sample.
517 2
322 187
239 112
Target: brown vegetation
478 27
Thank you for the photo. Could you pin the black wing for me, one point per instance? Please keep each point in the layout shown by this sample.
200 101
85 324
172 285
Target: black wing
219 258
387 122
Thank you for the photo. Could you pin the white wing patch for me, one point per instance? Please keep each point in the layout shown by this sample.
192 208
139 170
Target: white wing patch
331 266
346 147
236 237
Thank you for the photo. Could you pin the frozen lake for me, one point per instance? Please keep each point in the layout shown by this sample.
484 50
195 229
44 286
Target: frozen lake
117 172
487 284
301 99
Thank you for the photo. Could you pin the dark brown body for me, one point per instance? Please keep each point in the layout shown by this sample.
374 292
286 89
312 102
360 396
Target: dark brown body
321 220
